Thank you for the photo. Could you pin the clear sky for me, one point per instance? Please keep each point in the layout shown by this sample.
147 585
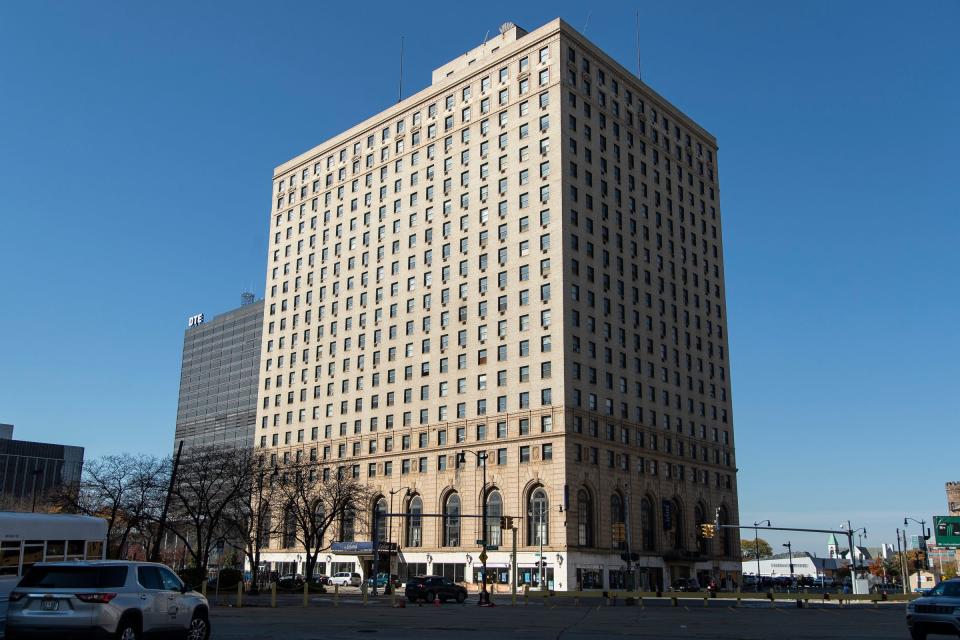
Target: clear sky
137 142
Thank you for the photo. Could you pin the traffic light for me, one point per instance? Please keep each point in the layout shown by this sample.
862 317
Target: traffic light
506 522
707 530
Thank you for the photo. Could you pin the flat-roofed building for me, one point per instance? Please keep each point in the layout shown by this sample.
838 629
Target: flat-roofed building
218 377
525 260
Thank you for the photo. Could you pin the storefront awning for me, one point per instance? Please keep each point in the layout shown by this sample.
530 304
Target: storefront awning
361 548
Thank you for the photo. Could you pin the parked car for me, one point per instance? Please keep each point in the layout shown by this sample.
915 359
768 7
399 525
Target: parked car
290 581
382 581
115 598
686 584
434 587
346 579
936 611
321 579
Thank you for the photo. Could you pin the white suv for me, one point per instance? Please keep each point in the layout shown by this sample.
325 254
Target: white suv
346 579
117 598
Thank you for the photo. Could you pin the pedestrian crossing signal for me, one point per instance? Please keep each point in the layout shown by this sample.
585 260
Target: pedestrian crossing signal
707 530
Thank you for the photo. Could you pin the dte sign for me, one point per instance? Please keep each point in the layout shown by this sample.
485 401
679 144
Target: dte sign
193 321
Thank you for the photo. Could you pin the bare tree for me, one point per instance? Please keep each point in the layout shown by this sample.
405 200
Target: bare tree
125 490
208 486
248 522
312 498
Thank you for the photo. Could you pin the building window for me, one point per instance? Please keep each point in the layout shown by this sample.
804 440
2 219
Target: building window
584 519
415 522
451 521
494 512
617 521
538 518
647 539
380 509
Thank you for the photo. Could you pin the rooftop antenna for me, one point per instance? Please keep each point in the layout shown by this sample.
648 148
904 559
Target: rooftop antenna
639 77
485 36
400 89
587 23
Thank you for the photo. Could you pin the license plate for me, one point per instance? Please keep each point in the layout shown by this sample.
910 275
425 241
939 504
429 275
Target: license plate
49 605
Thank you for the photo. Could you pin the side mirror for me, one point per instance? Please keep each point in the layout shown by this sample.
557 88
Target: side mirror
184 589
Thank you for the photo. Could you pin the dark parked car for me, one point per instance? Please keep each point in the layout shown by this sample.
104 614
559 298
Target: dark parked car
321 579
686 584
431 587
290 582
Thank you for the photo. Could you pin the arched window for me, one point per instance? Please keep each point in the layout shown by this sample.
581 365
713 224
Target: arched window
348 525
415 522
647 531
538 517
618 523
676 516
494 512
703 545
451 521
584 519
380 508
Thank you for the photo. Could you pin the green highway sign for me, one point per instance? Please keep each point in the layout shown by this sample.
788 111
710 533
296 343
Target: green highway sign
946 530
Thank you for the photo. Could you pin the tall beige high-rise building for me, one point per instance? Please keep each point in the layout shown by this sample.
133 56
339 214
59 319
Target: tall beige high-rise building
523 259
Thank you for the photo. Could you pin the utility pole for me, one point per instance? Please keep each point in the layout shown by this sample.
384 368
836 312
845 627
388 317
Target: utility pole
790 554
903 576
853 559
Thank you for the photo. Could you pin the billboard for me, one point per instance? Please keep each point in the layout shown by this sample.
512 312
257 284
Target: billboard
946 530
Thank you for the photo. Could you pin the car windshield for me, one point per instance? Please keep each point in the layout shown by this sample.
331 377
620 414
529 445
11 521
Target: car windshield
62 577
948 589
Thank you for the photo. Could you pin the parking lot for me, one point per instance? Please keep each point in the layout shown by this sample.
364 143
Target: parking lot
538 620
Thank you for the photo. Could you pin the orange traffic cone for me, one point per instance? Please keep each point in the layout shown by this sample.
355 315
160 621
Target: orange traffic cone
436 601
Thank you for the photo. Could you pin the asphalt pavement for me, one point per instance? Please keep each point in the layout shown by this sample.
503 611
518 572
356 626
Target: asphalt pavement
352 619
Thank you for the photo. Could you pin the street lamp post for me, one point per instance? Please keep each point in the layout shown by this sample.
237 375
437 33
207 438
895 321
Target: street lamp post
790 554
482 459
920 541
756 546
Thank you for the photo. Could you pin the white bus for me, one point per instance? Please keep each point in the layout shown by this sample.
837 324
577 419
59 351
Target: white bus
28 538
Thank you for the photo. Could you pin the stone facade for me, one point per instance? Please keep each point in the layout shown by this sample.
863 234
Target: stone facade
523 259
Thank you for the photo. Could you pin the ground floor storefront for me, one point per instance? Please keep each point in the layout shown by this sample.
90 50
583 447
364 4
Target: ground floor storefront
560 571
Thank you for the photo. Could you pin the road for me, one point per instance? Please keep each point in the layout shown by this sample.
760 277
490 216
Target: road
351 619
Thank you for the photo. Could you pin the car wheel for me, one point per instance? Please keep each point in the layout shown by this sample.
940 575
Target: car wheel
917 632
128 629
429 597
461 597
199 628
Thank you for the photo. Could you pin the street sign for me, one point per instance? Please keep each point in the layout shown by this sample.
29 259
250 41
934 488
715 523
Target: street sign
947 530
492 547
480 543
483 556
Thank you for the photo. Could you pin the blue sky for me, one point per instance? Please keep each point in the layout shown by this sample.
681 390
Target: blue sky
137 142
